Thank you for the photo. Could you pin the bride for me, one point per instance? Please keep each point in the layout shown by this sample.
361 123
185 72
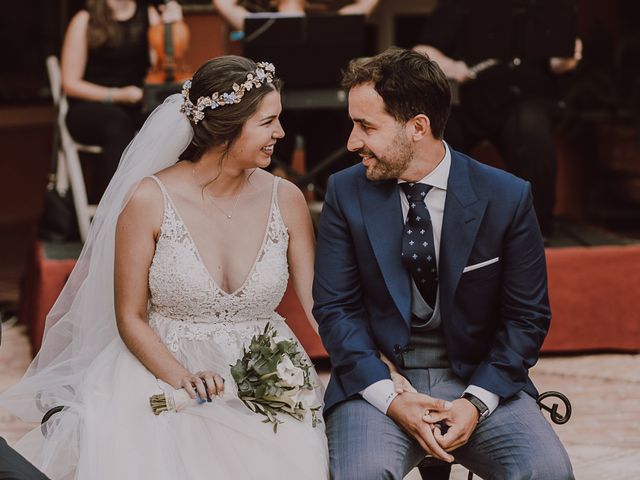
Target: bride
185 262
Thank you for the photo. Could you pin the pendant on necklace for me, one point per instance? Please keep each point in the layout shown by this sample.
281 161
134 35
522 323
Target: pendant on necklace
210 199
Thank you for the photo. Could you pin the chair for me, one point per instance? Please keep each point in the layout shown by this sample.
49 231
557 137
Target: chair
434 469
69 168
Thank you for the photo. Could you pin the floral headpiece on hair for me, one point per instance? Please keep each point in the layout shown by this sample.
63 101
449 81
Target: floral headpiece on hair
264 74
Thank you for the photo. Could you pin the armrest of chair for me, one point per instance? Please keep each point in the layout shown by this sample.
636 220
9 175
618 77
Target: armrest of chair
556 417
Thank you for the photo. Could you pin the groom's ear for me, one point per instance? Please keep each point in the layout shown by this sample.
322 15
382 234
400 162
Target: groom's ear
420 127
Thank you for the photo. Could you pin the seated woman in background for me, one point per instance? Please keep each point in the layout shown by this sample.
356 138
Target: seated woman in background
105 58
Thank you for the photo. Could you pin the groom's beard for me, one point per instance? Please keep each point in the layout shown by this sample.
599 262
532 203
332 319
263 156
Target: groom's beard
393 163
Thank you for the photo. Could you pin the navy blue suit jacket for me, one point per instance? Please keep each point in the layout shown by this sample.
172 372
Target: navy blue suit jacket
494 318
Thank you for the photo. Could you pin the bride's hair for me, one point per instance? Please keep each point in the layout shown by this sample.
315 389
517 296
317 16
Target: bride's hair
221 126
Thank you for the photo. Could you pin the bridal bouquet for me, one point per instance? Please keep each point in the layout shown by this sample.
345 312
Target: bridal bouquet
273 378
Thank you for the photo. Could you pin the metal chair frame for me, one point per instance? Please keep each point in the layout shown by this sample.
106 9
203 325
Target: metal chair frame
69 169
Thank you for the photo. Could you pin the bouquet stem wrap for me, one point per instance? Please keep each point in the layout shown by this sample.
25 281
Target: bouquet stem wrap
173 401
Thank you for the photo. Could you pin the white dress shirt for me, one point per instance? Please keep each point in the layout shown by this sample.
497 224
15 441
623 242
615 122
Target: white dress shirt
381 393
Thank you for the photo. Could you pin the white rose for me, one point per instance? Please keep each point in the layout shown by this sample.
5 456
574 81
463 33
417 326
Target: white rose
289 397
289 374
277 339
305 397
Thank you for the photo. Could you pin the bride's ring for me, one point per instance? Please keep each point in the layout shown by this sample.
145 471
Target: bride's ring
425 414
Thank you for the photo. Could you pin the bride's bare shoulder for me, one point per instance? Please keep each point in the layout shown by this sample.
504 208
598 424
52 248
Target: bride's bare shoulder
145 205
292 203
260 179
174 175
289 193
178 181
147 192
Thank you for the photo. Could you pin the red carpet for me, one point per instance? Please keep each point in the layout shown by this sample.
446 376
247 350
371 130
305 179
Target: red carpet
594 292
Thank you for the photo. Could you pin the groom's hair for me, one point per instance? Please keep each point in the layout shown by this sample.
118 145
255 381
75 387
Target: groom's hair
410 84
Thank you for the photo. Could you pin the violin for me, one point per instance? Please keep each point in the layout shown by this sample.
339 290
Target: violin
170 42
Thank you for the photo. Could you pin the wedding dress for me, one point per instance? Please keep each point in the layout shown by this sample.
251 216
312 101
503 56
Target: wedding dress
107 429
116 436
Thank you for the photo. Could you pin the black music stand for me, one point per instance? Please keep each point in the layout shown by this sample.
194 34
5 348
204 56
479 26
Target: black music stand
309 52
524 29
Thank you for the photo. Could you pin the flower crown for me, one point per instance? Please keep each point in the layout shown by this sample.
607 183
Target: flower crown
264 74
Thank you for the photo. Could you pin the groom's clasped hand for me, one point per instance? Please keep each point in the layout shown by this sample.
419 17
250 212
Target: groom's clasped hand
439 426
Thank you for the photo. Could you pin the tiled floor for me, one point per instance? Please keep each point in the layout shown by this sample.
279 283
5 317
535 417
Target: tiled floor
603 436
15 355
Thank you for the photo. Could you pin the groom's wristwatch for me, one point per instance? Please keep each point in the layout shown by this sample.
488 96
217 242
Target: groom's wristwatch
483 410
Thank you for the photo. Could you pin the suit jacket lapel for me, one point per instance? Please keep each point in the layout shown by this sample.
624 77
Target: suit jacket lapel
463 214
382 214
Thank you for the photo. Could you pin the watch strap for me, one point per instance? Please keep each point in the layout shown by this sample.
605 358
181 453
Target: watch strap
483 410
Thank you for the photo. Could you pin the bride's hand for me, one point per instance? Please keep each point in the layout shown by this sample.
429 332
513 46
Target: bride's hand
205 384
400 384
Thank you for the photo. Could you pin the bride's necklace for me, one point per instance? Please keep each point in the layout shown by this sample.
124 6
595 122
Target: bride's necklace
236 197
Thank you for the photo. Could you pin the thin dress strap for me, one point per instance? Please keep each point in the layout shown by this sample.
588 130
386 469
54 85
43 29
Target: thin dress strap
165 199
276 221
274 193
165 194
275 207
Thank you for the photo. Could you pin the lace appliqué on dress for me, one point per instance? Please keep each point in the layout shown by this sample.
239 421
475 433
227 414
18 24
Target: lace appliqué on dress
186 304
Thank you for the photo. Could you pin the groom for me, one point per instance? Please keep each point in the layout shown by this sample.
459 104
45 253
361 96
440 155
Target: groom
437 262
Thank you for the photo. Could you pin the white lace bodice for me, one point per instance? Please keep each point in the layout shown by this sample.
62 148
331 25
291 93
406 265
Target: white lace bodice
185 301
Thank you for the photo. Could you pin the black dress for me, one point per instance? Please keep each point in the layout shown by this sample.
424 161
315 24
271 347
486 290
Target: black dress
112 125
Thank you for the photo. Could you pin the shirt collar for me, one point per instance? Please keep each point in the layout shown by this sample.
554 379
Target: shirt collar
439 176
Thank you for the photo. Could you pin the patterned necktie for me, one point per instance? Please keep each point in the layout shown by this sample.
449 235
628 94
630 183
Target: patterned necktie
418 249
